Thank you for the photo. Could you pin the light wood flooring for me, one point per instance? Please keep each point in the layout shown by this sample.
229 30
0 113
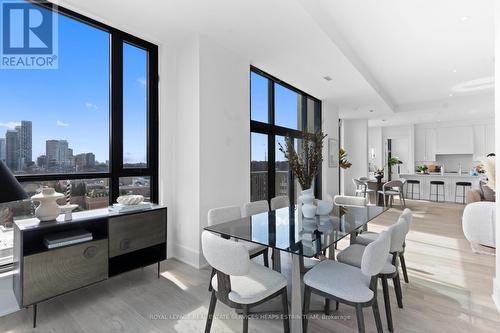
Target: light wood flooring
449 291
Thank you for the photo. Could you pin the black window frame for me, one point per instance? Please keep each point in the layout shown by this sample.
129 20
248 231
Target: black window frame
116 169
272 130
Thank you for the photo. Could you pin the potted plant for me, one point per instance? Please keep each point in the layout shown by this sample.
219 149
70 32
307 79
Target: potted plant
422 168
343 162
305 165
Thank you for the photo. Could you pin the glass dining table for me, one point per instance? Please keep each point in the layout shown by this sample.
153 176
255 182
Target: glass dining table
286 230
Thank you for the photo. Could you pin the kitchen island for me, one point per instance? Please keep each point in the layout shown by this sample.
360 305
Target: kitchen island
449 179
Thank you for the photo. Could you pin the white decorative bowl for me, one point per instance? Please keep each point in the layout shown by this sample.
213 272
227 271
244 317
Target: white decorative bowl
324 207
130 199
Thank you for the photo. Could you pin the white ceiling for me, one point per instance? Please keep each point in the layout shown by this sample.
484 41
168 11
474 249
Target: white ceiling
392 56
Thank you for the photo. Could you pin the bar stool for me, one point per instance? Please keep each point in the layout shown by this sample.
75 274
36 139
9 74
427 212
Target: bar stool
413 182
436 183
463 185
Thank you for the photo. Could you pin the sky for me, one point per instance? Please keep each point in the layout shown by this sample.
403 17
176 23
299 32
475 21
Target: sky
72 102
285 109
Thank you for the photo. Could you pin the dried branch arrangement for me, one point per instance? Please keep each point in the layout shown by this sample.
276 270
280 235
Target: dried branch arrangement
306 163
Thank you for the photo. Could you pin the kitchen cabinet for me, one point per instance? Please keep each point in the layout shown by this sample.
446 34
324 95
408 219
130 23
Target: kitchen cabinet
425 144
455 140
484 140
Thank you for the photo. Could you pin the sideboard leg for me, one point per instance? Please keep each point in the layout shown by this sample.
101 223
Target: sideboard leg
34 315
158 270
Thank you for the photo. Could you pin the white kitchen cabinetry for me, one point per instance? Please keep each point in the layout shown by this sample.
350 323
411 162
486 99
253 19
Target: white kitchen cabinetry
484 140
455 140
425 144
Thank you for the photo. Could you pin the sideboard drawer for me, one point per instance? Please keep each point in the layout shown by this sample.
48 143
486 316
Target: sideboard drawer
136 231
50 273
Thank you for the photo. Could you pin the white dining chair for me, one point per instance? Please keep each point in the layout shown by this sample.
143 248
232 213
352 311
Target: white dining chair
349 201
353 255
255 207
239 282
390 190
231 213
361 187
367 237
281 201
348 284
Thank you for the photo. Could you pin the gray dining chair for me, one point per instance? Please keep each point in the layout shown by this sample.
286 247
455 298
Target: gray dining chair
353 255
255 207
348 284
239 282
281 201
231 213
367 237
390 190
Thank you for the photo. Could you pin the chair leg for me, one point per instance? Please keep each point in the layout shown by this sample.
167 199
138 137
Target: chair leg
397 288
359 317
403 267
284 304
210 282
327 306
211 310
387 304
245 319
376 314
305 309
266 257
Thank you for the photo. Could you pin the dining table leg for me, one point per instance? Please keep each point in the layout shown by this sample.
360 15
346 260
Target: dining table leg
277 260
296 313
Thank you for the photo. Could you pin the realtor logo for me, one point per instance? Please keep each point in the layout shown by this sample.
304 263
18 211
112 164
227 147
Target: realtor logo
29 39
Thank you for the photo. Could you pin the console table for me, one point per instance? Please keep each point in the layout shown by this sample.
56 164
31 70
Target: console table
121 242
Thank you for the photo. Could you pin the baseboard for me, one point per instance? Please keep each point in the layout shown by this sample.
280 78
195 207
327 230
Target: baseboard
186 255
496 293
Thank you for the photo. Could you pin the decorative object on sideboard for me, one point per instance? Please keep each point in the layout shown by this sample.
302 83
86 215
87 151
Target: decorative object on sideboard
48 210
10 191
343 162
130 199
306 201
324 207
67 210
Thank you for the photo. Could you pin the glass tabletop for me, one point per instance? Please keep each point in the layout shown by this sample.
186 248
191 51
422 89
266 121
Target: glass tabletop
285 230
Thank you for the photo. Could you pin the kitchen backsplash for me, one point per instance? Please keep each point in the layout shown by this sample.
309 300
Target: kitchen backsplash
452 161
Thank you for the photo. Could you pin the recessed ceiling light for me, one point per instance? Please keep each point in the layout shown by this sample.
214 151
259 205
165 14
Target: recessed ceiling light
454 70
451 95
327 78
465 18
371 110
383 120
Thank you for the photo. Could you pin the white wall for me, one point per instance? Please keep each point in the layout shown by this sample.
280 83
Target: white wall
375 142
496 281
355 142
330 126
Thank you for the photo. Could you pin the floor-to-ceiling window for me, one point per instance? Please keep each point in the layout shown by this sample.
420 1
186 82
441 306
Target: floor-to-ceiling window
277 110
91 122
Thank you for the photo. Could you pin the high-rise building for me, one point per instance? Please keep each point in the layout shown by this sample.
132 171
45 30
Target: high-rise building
41 161
58 153
85 160
12 149
24 133
2 150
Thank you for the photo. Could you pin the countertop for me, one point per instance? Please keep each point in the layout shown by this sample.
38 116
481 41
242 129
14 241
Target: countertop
438 174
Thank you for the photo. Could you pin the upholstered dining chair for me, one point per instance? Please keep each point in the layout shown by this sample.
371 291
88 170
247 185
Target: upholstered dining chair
367 237
348 284
361 187
390 190
281 201
349 201
239 282
255 207
230 213
353 255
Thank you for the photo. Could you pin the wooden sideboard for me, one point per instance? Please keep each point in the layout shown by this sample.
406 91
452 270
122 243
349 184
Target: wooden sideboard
121 242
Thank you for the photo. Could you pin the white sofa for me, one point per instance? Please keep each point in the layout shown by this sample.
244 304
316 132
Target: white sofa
478 223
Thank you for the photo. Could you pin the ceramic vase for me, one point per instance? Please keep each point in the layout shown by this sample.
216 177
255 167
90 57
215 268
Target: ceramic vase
307 200
48 209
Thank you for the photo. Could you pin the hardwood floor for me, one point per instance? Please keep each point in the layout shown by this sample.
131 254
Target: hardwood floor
449 291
